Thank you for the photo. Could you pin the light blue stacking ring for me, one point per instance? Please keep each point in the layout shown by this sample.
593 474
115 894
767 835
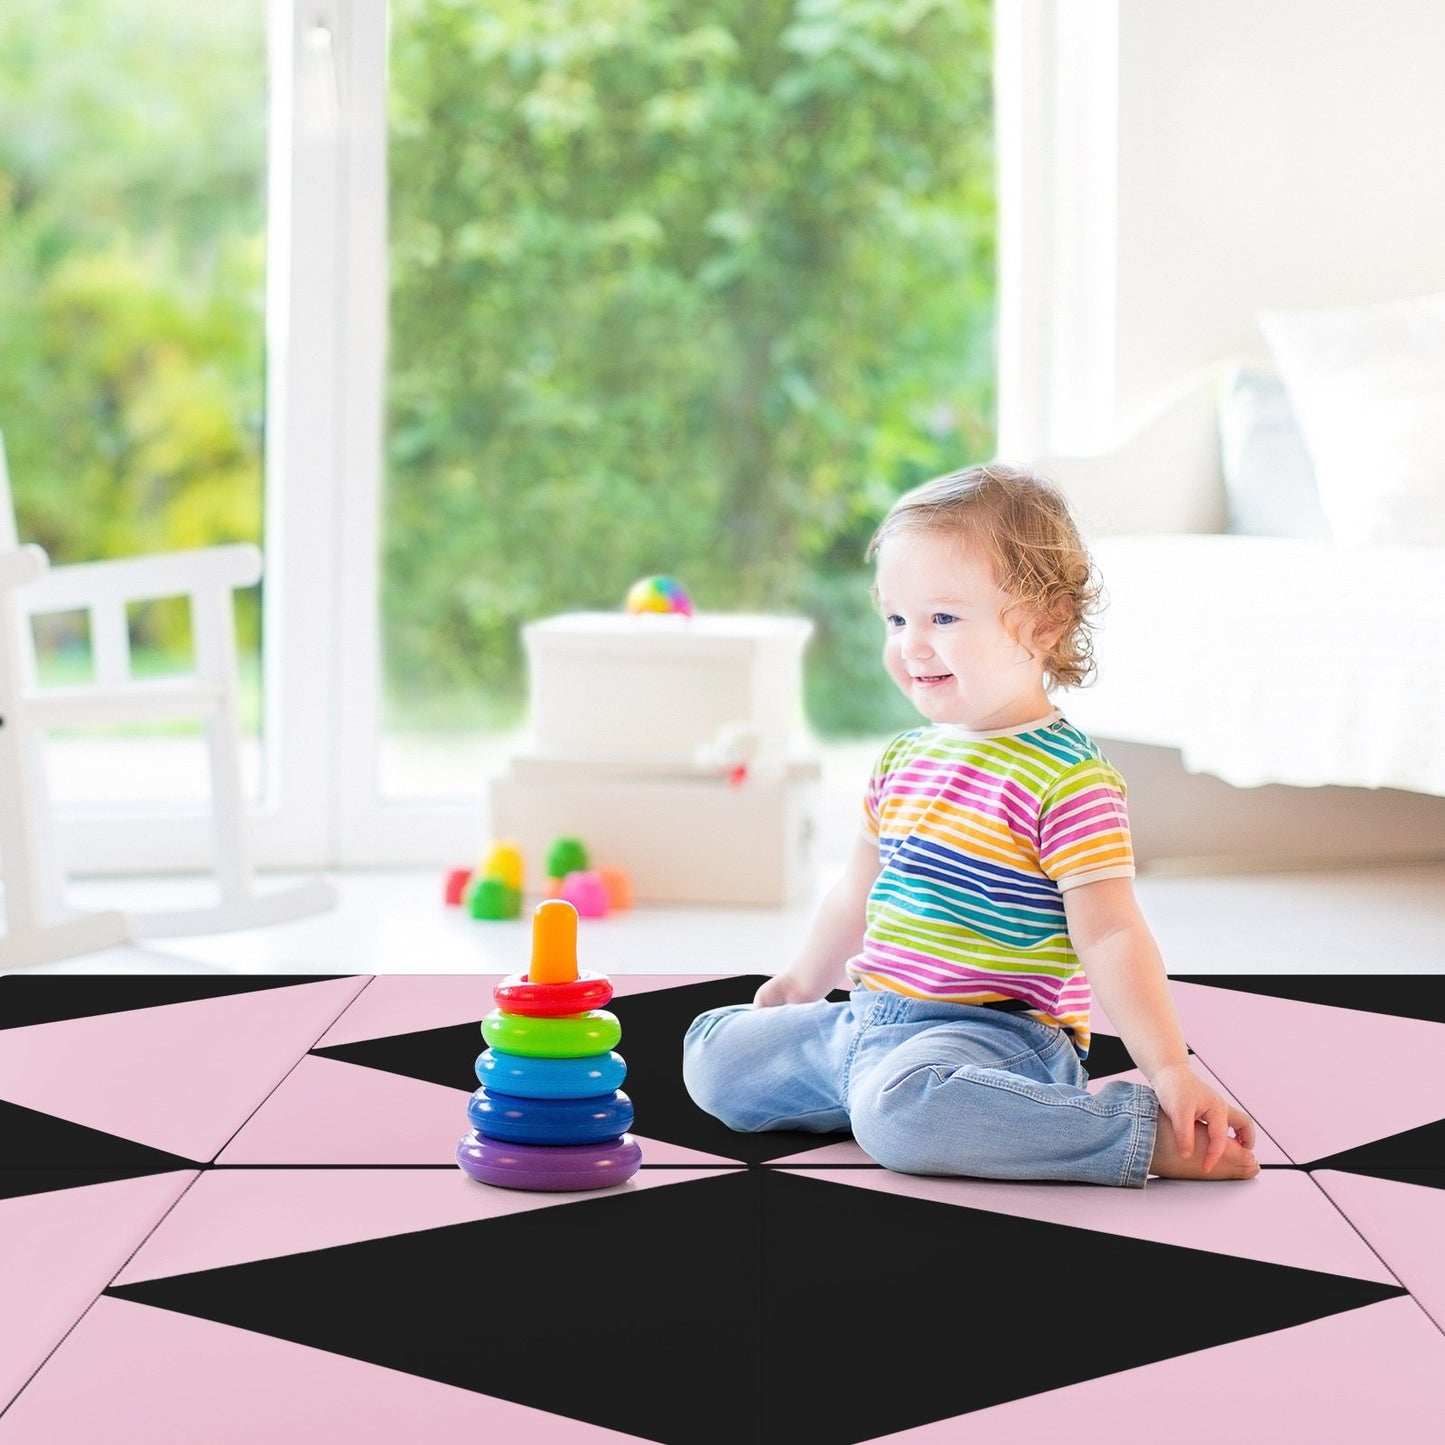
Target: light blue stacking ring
516 1120
533 1078
573 1036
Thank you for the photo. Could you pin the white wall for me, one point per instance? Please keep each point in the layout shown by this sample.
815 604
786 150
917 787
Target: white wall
1169 167
1272 153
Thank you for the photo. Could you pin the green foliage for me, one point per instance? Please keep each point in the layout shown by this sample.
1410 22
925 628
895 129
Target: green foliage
850 693
677 289
131 271
681 288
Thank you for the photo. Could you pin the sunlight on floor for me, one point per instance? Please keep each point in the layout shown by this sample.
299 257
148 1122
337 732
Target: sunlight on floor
1369 920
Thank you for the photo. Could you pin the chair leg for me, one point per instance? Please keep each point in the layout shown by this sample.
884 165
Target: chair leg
34 932
230 844
214 626
38 924
240 906
18 852
50 873
86 933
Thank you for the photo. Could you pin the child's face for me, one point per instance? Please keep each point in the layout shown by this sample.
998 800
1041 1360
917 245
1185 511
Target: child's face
947 646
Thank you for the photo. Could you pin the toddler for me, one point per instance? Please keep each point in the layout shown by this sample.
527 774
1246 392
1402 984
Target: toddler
988 897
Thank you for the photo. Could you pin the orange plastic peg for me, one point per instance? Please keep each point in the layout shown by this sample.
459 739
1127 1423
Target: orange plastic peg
554 943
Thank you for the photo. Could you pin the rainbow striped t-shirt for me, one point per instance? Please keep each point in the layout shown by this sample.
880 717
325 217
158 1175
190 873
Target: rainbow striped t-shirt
978 836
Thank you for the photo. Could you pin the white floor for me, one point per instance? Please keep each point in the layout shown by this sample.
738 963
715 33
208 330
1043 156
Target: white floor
1339 921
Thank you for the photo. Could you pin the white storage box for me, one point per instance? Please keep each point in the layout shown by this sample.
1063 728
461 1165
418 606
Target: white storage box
653 689
680 839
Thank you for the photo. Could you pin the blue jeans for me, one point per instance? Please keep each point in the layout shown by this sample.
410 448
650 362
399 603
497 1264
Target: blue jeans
926 1088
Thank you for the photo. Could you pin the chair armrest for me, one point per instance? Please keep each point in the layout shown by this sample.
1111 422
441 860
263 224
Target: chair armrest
1162 474
137 579
21 566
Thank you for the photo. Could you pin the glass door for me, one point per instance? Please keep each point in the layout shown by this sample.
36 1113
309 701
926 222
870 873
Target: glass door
132 276
529 299
680 289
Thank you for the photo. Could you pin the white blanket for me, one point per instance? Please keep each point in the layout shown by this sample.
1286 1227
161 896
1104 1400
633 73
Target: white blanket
1271 660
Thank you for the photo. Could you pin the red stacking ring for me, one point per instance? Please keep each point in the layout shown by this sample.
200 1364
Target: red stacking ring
518 995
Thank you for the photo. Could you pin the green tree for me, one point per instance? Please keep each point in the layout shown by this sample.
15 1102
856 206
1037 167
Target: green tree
131 277
675 289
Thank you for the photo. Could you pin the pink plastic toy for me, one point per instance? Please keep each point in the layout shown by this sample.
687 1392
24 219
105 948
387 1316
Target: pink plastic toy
586 892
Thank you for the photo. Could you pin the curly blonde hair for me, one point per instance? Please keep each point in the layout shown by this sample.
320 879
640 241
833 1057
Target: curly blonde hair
1024 525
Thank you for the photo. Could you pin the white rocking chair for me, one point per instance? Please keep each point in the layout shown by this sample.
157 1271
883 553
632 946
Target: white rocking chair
38 925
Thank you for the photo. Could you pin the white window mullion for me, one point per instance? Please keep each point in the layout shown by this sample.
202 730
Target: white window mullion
304 341
370 829
361 368
1056 118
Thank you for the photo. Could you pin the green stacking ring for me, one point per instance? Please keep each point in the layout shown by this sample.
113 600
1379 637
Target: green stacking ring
573 1036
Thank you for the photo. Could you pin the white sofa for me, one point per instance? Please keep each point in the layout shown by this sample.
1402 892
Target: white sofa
1273 699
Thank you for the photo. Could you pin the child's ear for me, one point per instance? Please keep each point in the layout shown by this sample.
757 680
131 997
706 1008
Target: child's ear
1029 628
1049 626
1047 633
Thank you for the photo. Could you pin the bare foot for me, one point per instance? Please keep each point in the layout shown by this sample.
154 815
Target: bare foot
1236 1162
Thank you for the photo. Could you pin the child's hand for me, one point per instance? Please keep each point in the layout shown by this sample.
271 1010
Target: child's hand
1184 1099
785 987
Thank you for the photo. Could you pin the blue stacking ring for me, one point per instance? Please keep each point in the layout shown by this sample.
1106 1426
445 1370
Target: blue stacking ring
530 1077
517 1120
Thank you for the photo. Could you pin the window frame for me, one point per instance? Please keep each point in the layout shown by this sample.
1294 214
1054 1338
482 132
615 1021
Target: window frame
326 328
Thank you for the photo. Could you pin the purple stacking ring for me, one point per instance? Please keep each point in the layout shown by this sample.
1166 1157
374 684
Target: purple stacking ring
549 1166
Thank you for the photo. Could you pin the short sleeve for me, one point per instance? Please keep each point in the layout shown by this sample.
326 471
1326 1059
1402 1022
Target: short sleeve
878 779
873 801
1084 826
870 811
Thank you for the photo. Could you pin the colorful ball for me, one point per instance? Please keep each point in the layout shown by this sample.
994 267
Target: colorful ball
658 594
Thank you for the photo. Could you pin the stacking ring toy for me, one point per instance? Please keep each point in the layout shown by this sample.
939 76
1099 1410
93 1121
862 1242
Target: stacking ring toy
549 1114
520 995
549 1167
571 1037
550 1121
532 1078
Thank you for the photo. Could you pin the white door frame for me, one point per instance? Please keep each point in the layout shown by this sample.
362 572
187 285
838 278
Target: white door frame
326 330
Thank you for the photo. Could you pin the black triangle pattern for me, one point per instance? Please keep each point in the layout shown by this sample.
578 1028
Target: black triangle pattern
53 998
1414 1155
653 1024
444 1055
706 1282
1410 996
31 1140
18 1183
1107 1056
1405 1156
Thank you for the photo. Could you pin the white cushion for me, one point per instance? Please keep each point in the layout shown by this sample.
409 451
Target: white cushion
1367 384
1269 480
